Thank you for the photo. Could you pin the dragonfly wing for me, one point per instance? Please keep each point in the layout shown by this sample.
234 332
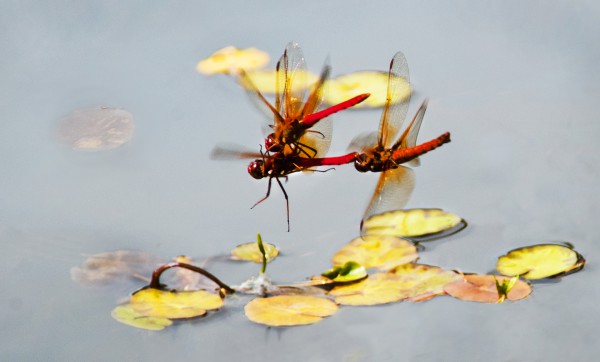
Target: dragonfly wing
293 75
409 136
257 98
397 100
392 191
315 98
232 152
317 139
363 142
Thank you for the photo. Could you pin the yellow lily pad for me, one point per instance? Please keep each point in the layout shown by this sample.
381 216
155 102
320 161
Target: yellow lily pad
174 305
289 310
412 222
265 80
126 314
347 86
251 252
230 60
482 288
383 252
379 288
422 282
540 261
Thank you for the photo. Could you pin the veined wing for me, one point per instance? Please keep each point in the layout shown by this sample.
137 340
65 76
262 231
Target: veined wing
392 191
396 104
409 136
257 98
291 80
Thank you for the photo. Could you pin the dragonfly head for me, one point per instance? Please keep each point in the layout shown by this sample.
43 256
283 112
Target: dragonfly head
363 163
271 144
256 169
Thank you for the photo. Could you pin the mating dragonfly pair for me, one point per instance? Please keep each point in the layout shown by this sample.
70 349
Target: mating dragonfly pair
301 133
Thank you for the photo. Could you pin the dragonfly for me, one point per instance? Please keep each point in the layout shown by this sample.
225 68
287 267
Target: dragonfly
300 127
396 181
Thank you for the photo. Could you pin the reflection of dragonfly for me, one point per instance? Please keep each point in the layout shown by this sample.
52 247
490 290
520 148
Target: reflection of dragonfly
299 127
396 182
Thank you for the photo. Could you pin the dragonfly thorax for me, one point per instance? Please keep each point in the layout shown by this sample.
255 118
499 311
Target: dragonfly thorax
374 162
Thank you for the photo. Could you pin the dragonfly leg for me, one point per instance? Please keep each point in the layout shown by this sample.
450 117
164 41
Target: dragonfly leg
266 196
287 203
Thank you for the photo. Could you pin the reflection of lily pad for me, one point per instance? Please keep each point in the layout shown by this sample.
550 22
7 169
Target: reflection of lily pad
482 288
230 59
265 80
251 252
126 314
353 84
382 252
174 305
423 282
412 222
349 272
540 261
289 310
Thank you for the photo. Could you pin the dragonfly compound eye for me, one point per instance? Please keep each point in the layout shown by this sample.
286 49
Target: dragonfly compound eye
271 144
255 169
362 163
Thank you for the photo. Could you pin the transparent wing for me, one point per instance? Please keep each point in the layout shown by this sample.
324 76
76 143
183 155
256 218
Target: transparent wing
315 98
363 142
318 138
392 191
409 136
397 100
233 152
293 75
257 98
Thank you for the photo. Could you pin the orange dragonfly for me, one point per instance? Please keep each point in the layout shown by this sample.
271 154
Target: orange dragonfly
300 127
396 182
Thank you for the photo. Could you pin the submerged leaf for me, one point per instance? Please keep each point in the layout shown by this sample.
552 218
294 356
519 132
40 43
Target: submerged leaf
540 261
482 288
126 314
173 304
382 252
350 85
231 59
349 272
251 252
289 310
106 267
422 282
412 223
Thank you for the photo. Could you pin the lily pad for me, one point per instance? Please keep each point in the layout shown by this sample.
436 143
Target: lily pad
422 282
266 80
379 288
289 310
374 82
126 314
251 252
412 223
540 261
230 60
383 252
173 304
482 288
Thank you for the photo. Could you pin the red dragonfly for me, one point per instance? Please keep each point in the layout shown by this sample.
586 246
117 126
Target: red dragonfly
301 132
300 128
396 182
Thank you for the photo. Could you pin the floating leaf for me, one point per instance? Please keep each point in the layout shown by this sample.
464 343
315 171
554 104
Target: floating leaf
482 288
379 288
251 252
265 80
126 314
383 252
423 282
349 272
289 310
413 223
353 84
540 261
230 59
174 305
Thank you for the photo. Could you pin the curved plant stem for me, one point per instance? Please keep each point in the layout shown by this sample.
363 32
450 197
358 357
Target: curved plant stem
155 282
261 248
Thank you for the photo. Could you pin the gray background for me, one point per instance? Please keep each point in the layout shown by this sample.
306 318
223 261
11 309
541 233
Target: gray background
516 83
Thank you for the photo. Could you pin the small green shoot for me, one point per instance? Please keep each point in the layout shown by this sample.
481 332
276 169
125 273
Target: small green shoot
261 247
505 287
349 272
